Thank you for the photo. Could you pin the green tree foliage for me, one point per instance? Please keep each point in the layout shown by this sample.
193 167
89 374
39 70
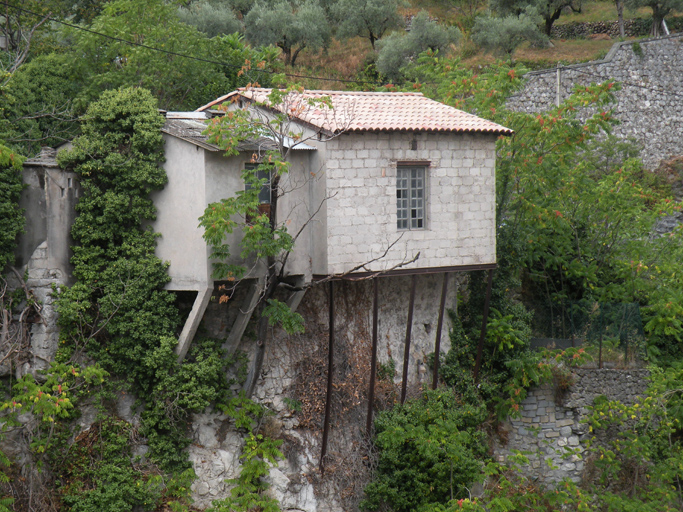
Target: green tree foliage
291 26
504 35
582 225
38 104
117 160
177 82
101 456
640 466
576 216
85 11
431 449
549 11
265 237
22 20
12 217
369 19
660 9
397 51
211 17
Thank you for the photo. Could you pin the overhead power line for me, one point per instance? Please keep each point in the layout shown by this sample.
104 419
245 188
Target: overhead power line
291 75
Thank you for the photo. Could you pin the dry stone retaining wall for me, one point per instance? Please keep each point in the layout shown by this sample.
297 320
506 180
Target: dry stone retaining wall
649 105
636 27
554 436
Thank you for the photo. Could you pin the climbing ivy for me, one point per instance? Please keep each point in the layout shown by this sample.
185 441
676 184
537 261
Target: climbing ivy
12 217
118 312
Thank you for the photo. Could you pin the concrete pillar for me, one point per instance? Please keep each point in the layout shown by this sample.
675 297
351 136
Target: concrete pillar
192 322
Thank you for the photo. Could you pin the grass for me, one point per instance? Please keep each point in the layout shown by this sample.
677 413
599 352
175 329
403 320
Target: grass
566 51
342 60
569 51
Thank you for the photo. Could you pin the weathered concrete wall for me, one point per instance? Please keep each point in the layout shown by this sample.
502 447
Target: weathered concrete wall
44 251
197 177
549 431
648 105
179 206
49 202
361 209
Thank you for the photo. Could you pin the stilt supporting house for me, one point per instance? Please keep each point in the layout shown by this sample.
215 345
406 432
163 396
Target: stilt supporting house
373 359
439 326
409 331
330 374
192 322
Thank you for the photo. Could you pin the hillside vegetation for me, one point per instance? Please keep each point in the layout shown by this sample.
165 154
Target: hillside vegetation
576 216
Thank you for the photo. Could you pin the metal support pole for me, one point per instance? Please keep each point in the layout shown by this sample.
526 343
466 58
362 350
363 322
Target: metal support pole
439 325
485 320
571 322
602 327
409 329
373 361
330 372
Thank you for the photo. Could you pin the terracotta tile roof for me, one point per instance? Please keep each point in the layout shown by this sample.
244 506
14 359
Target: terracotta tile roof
373 111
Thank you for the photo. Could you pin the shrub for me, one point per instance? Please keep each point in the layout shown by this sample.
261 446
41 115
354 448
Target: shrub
431 449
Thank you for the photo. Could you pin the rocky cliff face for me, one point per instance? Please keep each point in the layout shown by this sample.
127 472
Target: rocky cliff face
293 387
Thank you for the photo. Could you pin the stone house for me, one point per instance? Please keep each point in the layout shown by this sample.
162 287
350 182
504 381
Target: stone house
380 182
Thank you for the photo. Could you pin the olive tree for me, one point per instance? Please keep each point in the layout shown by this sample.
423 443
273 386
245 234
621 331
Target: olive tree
291 26
504 35
549 10
210 17
369 19
660 9
397 50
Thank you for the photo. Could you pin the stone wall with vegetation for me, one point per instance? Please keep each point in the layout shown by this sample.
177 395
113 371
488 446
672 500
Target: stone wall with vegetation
648 104
552 427
637 27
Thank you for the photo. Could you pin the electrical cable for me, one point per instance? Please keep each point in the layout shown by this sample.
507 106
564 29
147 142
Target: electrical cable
183 55
293 75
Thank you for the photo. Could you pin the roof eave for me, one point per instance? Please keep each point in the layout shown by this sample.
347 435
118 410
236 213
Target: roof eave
218 101
506 132
208 147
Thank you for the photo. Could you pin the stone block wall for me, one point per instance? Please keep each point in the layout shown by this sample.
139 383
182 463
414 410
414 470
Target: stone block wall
649 105
554 435
361 209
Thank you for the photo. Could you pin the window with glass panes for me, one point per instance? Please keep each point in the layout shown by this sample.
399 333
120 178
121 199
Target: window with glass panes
410 197
264 194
